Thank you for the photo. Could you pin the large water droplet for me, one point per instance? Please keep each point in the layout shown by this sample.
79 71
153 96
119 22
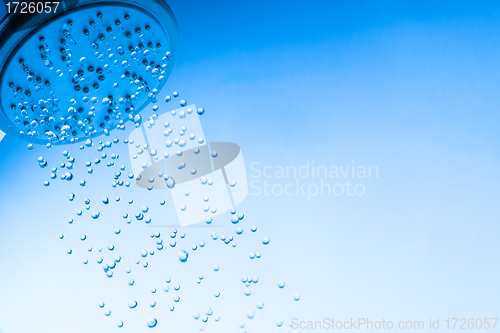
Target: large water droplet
152 322
183 256
170 183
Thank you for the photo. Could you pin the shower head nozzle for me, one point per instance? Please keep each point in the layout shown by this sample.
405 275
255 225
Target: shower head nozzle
84 68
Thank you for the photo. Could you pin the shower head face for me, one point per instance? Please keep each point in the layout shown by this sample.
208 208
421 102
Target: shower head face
85 71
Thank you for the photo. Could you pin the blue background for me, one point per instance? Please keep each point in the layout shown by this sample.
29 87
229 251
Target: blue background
411 88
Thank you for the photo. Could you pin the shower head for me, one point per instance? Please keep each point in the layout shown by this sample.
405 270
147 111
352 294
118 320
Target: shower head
84 68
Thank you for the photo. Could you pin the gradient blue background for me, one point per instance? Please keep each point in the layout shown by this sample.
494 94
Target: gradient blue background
411 88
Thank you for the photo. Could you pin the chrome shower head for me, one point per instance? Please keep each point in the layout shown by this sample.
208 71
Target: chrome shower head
83 69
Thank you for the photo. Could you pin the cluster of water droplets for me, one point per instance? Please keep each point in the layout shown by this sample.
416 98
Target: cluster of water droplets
164 243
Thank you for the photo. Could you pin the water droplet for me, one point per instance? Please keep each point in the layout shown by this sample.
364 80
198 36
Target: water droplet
152 322
170 183
132 304
183 256
137 120
296 297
